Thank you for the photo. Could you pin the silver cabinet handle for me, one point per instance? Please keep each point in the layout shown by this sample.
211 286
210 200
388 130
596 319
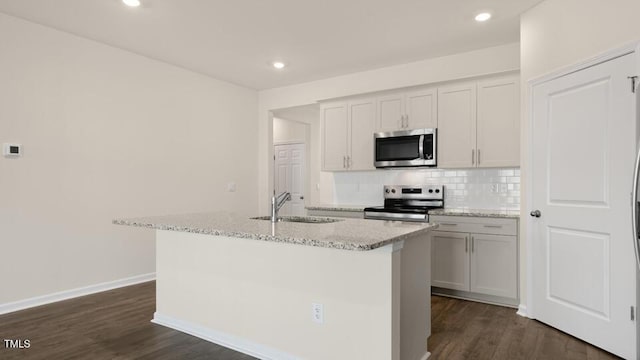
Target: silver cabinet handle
348 162
401 121
406 121
449 224
466 244
473 157
473 244
344 162
494 226
634 209
478 156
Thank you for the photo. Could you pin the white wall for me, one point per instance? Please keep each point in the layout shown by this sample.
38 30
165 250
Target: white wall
289 131
559 33
475 63
107 134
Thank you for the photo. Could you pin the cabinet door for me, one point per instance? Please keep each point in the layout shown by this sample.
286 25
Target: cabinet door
334 136
494 265
450 260
498 129
361 129
391 112
421 108
457 126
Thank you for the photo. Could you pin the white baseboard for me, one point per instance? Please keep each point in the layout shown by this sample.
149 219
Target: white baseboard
522 310
229 341
425 356
73 293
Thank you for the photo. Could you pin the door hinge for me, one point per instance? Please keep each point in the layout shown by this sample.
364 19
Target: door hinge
633 313
634 83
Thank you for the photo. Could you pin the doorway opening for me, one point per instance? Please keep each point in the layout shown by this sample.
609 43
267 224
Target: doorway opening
293 147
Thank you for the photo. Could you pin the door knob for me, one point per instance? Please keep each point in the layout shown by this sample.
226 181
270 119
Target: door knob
535 213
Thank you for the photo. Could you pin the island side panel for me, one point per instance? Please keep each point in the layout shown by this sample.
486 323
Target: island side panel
256 296
415 318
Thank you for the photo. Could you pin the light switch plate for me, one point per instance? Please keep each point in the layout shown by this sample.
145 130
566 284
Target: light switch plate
12 150
231 187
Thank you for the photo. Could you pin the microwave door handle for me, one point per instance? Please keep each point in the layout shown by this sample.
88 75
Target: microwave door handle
421 147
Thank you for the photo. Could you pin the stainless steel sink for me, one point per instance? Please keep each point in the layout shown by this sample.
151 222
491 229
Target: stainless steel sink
300 219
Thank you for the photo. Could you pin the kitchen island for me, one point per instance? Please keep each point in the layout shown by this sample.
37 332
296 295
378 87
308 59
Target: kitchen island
349 289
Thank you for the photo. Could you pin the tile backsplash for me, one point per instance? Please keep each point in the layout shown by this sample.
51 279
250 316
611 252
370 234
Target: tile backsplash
465 188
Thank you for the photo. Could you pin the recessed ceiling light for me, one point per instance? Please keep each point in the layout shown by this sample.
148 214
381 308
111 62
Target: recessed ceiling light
483 17
278 65
132 3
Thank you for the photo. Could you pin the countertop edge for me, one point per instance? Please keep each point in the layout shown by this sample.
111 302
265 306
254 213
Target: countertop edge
346 208
474 213
273 238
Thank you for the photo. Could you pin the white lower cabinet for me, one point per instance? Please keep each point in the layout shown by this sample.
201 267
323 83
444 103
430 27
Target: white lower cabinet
450 260
475 258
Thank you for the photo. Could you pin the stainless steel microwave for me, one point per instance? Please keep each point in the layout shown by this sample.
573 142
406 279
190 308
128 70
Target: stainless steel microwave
405 148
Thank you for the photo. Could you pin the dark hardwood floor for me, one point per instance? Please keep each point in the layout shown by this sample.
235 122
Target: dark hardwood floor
116 325
470 330
109 325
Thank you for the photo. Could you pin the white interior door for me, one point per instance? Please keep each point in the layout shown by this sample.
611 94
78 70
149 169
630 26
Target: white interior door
289 165
583 262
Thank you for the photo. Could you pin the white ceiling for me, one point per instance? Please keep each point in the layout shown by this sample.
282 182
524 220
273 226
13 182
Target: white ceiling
235 40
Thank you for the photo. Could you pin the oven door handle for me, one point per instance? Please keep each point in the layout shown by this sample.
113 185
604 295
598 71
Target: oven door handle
421 147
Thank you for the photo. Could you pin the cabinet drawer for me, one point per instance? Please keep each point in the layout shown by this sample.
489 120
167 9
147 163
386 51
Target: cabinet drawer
476 225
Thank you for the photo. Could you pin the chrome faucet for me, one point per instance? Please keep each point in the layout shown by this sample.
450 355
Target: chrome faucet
277 202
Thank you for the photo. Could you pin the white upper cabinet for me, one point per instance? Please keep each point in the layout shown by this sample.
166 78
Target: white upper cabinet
498 133
391 112
457 125
408 110
421 109
334 136
347 135
479 123
362 114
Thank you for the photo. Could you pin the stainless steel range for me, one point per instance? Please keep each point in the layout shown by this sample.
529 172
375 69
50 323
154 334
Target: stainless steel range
407 203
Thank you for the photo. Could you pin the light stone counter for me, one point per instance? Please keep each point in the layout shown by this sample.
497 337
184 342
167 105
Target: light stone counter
346 234
506 214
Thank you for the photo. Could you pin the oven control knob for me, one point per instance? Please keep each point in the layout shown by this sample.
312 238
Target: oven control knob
386 190
430 191
393 191
437 191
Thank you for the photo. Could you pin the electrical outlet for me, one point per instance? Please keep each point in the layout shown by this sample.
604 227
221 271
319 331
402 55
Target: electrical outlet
495 188
317 313
231 187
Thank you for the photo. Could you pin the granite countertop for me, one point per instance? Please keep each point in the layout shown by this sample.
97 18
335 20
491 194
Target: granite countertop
507 214
353 208
346 234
